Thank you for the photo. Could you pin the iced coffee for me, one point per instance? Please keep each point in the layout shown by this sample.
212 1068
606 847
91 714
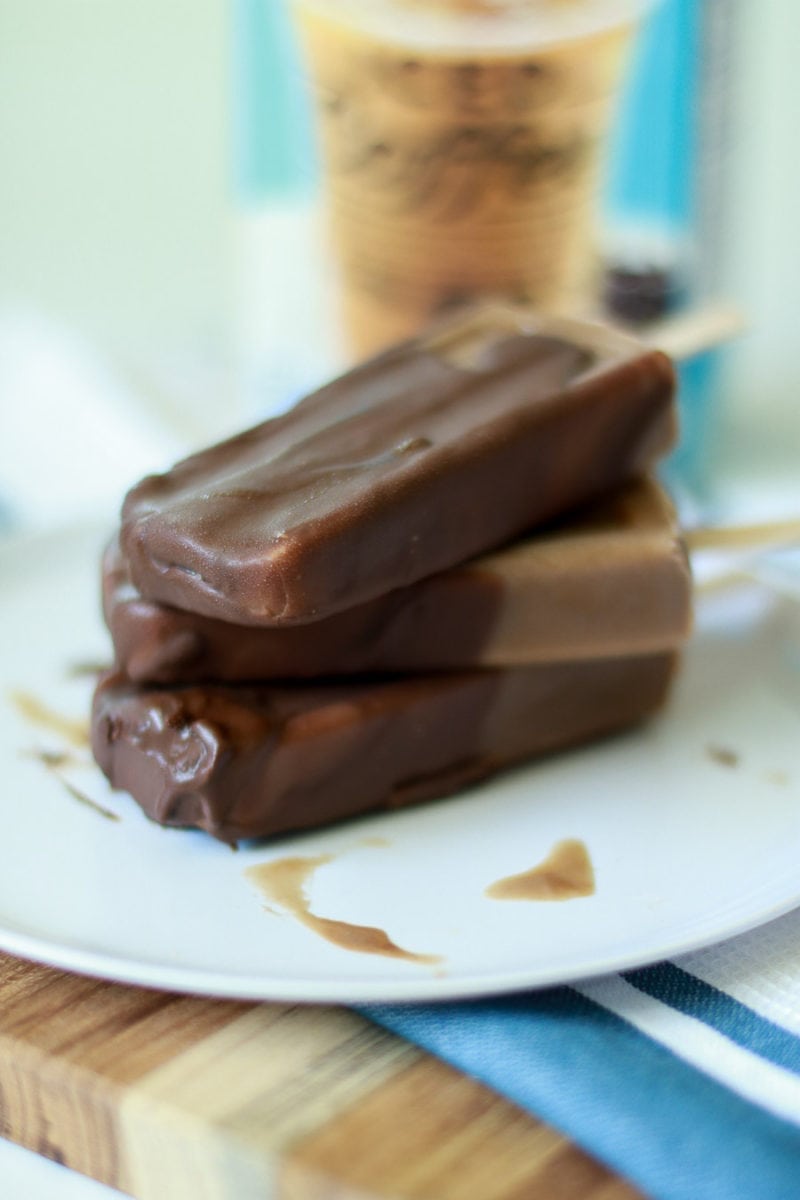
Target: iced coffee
461 143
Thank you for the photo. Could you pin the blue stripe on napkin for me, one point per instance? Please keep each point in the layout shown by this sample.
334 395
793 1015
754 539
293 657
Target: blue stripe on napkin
671 1130
740 1024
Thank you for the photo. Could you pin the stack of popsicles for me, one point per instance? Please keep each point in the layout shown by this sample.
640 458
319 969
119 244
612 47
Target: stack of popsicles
450 559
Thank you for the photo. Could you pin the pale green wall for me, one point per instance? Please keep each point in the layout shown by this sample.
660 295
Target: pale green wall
114 166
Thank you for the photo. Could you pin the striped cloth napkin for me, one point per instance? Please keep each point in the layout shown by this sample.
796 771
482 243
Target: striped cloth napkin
683 1077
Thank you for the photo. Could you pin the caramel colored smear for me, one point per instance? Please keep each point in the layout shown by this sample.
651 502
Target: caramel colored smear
284 882
565 874
86 670
82 798
38 713
723 755
52 759
55 761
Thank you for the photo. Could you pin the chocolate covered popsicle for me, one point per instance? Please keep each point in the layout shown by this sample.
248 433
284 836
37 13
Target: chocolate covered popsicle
436 451
243 762
614 580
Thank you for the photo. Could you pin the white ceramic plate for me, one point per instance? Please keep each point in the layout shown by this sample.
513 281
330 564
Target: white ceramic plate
692 824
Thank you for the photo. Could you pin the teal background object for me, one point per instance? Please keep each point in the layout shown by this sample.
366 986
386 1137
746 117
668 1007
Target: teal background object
272 142
652 185
653 151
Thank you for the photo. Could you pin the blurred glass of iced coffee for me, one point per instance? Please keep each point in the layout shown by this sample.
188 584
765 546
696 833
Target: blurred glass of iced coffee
461 143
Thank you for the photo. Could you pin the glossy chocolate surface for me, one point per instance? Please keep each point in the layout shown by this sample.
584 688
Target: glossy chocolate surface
434 452
245 762
612 580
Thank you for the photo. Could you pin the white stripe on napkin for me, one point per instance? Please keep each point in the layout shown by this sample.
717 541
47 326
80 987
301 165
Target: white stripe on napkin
760 969
741 1070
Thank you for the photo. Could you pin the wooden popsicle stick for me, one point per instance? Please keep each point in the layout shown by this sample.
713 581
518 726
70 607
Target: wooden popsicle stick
758 536
723 581
681 335
694 331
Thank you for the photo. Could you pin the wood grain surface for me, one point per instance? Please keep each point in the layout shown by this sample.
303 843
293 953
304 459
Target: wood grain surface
171 1097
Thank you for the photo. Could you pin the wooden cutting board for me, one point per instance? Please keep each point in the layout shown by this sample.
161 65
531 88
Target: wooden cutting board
171 1097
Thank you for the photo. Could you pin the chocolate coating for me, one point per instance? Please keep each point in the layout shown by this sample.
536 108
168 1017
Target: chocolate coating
612 580
401 468
259 761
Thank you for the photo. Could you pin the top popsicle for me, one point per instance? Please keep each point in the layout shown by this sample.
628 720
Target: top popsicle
437 450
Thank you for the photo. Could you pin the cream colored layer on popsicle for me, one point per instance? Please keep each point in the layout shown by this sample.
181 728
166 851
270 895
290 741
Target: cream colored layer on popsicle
613 581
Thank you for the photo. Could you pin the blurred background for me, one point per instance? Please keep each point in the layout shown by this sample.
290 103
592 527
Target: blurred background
160 278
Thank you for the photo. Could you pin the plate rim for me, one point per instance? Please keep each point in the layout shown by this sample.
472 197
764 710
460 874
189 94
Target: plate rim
231 985
435 985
